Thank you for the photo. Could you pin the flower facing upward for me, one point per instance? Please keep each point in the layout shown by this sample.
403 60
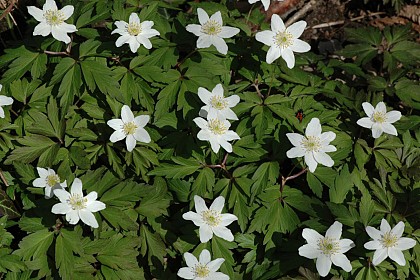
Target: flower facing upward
283 41
379 120
129 127
217 132
211 31
211 220
49 180
217 106
76 206
388 242
314 146
135 33
4 101
51 20
327 250
202 269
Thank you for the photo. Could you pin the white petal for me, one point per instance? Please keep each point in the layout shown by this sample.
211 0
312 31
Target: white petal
61 208
231 135
323 159
220 44
147 26
37 13
88 218
224 233
405 243
1 112
134 18
327 137
134 44
227 219
117 136
48 192
341 261
215 145
295 138
42 29
205 95
227 113
365 122
142 135
39 183
204 257
217 276
122 40
323 265
205 233
49 5
393 116
300 46
379 255
373 245
385 227
313 128
190 259
368 108
203 17
389 128
214 265
76 187
204 135
228 32
397 256
345 245
328 149
334 231
186 273
308 251
197 219
218 204
72 217
311 236
277 24
130 142
95 206
311 162
194 28
218 90
297 28
121 25
295 152
272 54
67 11
204 41
373 233
380 107
68 28
376 130
398 229
144 41
265 37
116 124
60 34
217 17
126 114
232 100
200 204
225 145
62 195
266 4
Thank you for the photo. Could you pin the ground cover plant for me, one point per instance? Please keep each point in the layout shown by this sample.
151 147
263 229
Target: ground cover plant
145 139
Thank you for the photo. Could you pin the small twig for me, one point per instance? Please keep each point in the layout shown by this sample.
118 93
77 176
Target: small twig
185 58
3 178
284 180
339 22
224 160
13 112
300 13
57 53
7 10
255 85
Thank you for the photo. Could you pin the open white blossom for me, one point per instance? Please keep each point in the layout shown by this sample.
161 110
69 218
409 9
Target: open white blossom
51 20
76 206
129 127
135 33
388 243
314 146
379 120
283 41
49 180
202 269
4 101
327 250
217 132
217 106
211 220
211 31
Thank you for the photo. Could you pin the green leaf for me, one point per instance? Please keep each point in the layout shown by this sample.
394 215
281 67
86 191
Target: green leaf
183 168
152 245
342 185
7 207
23 61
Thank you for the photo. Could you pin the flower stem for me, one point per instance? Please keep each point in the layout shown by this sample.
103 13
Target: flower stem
284 180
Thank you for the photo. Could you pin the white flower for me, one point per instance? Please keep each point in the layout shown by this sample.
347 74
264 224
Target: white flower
283 41
266 3
135 33
51 20
327 250
314 146
217 132
76 206
388 242
129 127
217 106
203 269
48 180
211 220
211 31
4 100
379 120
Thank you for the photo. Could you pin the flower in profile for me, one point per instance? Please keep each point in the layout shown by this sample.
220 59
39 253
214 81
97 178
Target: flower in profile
327 250
129 127
211 220
4 101
51 20
379 120
217 132
313 146
211 31
388 243
266 3
283 41
202 269
49 180
76 206
217 106
135 33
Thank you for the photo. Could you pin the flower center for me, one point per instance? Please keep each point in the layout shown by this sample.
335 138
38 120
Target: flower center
77 202
389 240
54 17
134 28
379 117
283 39
311 143
211 217
52 180
328 246
211 27
201 270
217 126
129 128
218 102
